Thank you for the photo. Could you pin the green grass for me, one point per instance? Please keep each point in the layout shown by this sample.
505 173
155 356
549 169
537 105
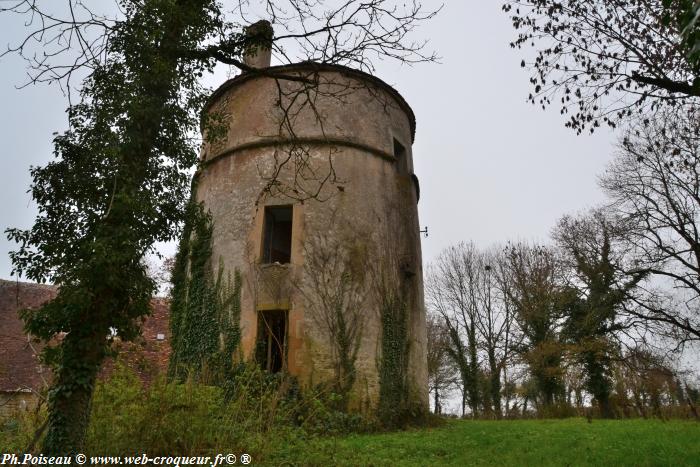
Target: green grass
522 443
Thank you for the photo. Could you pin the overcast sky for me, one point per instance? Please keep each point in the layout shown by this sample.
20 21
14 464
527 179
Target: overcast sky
492 167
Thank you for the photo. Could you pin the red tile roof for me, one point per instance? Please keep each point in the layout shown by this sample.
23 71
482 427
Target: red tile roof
20 368
148 355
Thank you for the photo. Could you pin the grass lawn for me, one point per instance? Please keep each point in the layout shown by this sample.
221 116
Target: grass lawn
522 442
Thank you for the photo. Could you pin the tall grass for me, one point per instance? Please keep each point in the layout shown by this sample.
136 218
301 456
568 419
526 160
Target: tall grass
253 412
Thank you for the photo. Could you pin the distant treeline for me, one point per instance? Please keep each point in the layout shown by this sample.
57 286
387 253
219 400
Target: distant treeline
594 322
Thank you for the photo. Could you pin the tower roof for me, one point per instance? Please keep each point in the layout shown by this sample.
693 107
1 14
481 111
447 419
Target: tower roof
270 72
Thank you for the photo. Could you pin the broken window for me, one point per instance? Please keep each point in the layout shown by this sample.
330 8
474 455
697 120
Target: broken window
271 348
277 237
400 157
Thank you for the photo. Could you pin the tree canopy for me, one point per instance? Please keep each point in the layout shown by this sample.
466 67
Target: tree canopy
119 182
604 61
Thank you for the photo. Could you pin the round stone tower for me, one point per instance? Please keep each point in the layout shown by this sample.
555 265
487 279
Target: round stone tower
313 199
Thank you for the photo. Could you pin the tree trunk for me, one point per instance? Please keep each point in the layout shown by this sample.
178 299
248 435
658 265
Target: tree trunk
495 385
473 386
693 409
640 404
84 347
70 400
437 400
598 383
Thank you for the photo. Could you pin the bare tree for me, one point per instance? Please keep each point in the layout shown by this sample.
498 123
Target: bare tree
536 277
512 338
451 291
650 380
132 135
494 322
654 183
596 253
73 37
467 287
65 45
441 368
335 289
603 60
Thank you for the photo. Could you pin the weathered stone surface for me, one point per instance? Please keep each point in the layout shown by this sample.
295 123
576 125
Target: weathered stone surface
355 122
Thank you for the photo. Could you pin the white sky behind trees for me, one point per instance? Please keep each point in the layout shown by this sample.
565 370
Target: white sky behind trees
492 167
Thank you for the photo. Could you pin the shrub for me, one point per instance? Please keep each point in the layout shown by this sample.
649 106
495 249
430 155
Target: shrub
161 419
254 412
17 430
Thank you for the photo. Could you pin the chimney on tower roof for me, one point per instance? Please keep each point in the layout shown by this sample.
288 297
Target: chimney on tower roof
258 49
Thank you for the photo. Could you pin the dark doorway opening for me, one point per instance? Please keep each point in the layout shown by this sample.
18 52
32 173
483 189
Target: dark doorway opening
277 237
271 349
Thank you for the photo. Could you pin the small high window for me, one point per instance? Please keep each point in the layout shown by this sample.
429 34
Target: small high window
277 235
271 348
400 157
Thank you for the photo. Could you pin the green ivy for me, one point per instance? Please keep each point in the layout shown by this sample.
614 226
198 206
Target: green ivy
393 368
205 309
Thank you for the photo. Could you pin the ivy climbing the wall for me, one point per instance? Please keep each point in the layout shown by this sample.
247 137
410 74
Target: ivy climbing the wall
393 363
205 309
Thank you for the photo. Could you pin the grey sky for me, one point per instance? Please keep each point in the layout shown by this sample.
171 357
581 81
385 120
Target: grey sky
491 166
